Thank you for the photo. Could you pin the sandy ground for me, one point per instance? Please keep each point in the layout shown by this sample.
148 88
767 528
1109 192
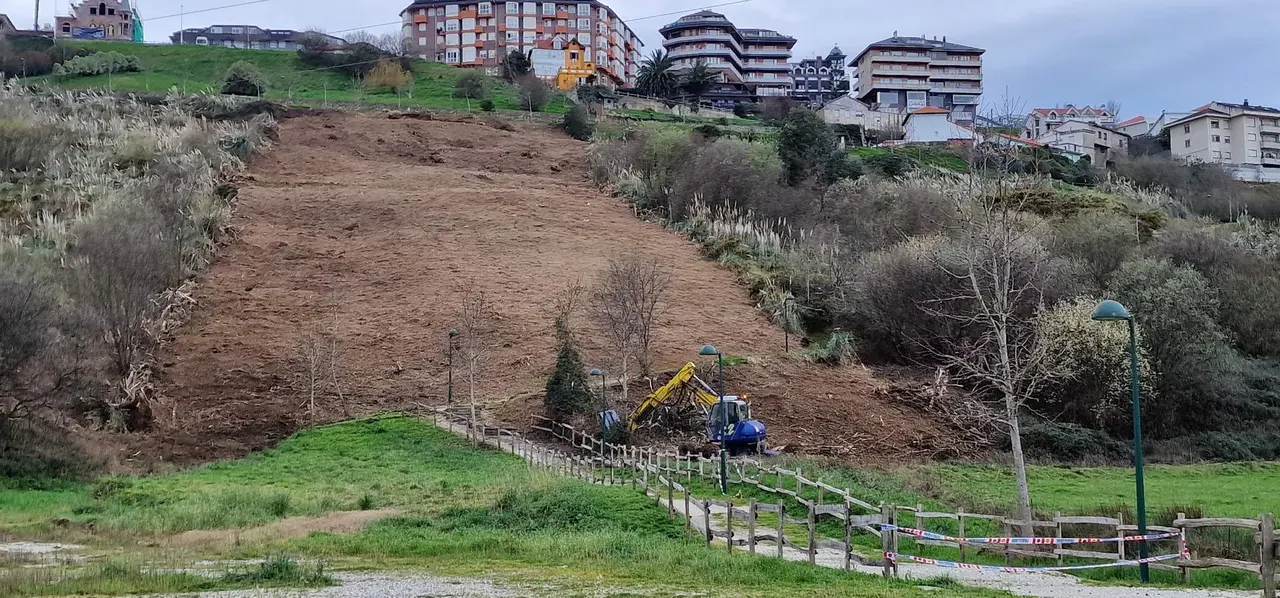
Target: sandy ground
341 522
362 228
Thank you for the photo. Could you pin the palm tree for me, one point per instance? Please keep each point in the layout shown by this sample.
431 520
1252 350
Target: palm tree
697 82
656 76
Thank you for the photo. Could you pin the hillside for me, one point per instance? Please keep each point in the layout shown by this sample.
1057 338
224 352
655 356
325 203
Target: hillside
366 225
197 68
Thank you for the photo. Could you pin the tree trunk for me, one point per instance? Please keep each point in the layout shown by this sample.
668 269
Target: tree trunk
624 379
471 390
1019 464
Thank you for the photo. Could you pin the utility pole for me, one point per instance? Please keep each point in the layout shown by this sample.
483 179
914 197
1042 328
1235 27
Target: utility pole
181 20
36 25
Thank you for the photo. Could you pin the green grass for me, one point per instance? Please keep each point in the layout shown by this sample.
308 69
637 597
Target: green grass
922 155
201 68
655 116
113 578
464 510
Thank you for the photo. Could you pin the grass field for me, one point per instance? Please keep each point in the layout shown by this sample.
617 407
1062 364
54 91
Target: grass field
463 511
201 68
923 155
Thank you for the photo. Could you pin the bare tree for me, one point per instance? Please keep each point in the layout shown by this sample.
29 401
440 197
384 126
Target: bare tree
626 302
335 357
35 356
312 359
476 319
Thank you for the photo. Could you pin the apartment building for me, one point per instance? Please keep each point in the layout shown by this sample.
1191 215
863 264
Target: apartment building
1084 139
817 81
1242 137
6 24
752 63
1134 127
247 36
904 74
114 20
1044 120
480 34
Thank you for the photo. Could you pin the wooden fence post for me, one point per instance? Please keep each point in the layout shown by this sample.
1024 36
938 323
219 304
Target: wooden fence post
671 501
688 516
960 525
706 521
728 528
1057 533
751 526
1268 550
782 519
1120 534
1182 550
799 487
819 494
848 535
1008 552
813 532
886 537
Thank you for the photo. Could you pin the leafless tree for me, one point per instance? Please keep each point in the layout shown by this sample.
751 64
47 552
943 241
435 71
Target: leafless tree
626 302
476 331
36 358
335 357
1113 106
311 354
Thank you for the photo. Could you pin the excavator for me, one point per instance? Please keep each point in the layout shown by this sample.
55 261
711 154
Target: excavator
729 419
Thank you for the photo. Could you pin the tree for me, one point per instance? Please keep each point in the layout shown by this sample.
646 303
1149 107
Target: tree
578 123
805 144
471 84
697 82
626 302
388 74
657 75
32 344
533 94
475 337
243 79
516 66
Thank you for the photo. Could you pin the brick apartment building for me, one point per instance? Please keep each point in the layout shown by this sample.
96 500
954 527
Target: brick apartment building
752 63
480 34
905 74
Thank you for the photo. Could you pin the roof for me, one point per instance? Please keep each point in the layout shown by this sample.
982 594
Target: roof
1133 121
917 42
1020 139
1197 114
931 110
1249 107
1094 125
1069 109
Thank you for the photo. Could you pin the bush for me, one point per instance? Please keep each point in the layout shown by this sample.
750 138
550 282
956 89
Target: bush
567 390
243 79
1070 442
100 63
471 84
709 132
487 105
577 122
533 94
889 164
840 166
725 172
389 75
805 144
838 348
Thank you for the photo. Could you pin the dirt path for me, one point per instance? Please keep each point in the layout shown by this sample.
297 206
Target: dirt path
340 522
365 226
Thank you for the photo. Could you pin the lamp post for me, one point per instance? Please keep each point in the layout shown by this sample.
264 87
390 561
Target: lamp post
1112 311
786 322
709 351
453 334
604 400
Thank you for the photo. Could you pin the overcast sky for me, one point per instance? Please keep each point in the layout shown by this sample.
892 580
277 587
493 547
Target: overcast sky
1149 55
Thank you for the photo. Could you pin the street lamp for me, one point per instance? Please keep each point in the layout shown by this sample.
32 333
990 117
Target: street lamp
453 334
709 351
604 401
786 323
1112 311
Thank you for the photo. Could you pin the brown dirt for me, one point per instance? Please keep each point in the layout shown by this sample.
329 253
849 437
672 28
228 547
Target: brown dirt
343 522
367 225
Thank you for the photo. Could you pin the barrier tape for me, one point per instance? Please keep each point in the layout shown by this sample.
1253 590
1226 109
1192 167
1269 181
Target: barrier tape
1037 541
893 557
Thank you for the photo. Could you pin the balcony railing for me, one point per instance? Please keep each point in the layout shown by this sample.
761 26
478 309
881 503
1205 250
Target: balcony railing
955 89
1271 160
1273 129
885 58
1270 144
887 85
880 70
954 62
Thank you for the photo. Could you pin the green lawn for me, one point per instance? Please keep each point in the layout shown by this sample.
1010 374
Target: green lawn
923 155
201 68
464 511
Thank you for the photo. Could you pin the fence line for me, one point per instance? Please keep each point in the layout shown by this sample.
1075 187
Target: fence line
658 474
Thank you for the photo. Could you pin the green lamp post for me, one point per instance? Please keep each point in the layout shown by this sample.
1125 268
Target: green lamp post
604 400
1112 311
709 351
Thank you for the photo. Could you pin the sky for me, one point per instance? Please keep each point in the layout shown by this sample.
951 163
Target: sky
1148 55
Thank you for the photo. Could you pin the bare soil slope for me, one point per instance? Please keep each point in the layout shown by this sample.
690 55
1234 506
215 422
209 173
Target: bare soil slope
367 225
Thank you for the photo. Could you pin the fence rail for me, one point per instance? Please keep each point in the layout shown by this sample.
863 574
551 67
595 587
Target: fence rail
668 477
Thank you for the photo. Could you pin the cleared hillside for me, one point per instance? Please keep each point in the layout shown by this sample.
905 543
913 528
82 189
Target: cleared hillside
367 225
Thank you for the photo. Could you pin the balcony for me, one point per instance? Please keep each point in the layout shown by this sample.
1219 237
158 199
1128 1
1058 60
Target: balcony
881 70
1271 129
937 74
1272 160
942 88
1271 144
911 85
885 58
954 62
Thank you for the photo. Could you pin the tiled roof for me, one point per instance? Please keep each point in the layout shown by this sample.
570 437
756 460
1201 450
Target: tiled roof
930 110
1133 121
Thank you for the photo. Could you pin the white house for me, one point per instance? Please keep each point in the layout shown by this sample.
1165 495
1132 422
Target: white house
1134 127
848 110
933 125
1100 144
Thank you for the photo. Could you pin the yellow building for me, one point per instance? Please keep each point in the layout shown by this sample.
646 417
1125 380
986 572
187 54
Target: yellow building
576 70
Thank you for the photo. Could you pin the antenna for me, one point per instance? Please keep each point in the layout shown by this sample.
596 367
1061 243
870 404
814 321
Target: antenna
36 25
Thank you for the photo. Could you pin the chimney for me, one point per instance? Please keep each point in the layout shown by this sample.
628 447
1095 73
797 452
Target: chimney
1246 102
944 39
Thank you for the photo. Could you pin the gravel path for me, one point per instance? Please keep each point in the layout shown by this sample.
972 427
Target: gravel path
1042 585
388 585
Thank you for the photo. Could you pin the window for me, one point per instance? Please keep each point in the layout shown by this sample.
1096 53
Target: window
237 30
468 38
530 23
549 9
1215 124
66 27
584 24
1226 155
1217 154
513 8
1253 153
604 13
513 22
585 39
1251 122
451 56
1216 138
451 39
215 29
513 37
1186 143
468 24
531 8
451 10
1226 140
451 25
486 8
439 40
111 11
584 10
1186 128
93 10
422 26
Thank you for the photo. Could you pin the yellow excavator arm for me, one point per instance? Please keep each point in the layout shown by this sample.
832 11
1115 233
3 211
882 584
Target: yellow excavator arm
684 379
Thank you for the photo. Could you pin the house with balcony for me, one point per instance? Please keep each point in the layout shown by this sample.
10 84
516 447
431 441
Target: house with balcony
751 64
248 36
115 20
816 81
904 74
1134 127
1044 120
1244 138
481 34
1090 140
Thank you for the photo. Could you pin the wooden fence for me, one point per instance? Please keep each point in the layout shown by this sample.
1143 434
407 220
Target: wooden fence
669 477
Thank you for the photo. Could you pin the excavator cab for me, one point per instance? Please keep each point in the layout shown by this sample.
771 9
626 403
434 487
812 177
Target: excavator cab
731 419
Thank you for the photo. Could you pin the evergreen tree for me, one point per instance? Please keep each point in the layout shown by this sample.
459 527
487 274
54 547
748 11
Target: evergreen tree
567 390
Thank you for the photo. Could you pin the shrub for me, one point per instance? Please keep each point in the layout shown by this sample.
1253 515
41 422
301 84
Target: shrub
282 570
389 75
709 132
471 84
567 390
516 66
243 79
578 123
101 63
840 166
1100 241
728 172
838 348
487 105
24 145
1070 442
890 164
740 110
533 94
805 144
